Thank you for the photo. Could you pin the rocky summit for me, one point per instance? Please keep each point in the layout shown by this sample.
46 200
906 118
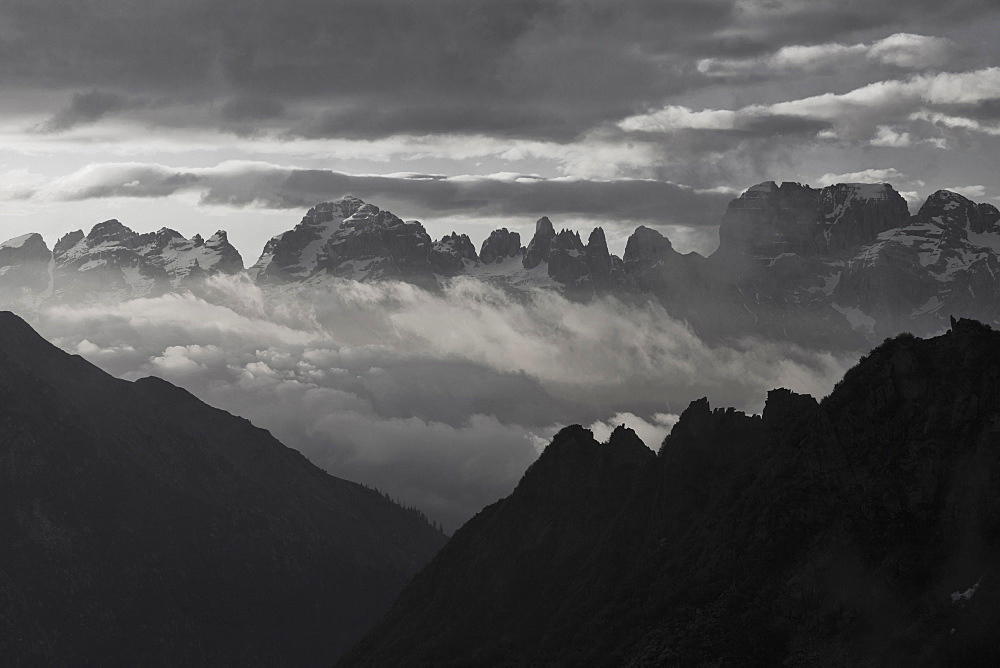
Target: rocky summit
769 220
24 267
110 263
348 239
862 529
838 267
500 245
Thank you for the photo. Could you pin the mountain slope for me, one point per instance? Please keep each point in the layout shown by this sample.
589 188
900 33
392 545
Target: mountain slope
860 530
142 526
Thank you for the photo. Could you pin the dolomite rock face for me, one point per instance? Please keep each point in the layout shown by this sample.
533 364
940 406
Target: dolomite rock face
580 270
839 267
114 263
499 245
350 239
538 248
853 214
769 220
943 261
448 257
24 267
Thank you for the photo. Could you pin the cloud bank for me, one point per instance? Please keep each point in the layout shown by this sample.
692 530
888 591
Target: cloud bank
245 184
442 400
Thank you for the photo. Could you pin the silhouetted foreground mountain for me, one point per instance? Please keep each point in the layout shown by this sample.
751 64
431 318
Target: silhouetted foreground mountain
860 530
141 526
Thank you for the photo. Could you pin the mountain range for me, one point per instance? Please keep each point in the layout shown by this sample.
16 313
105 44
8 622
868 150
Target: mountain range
840 267
143 527
862 529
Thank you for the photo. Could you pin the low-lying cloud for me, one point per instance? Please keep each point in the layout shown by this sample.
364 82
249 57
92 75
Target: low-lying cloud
440 399
243 184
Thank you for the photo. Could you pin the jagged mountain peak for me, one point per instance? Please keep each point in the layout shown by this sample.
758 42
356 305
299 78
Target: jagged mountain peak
767 221
24 266
113 262
844 532
30 239
944 196
170 233
67 241
575 457
957 212
110 231
343 207
764 187
834 265
647 244
501 244
568 239
450 255
538 248
348 238
629 447
597 241
544 226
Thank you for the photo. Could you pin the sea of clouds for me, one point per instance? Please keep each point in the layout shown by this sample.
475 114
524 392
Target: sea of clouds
441 399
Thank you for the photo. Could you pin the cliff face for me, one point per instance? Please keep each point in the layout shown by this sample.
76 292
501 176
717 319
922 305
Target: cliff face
24 267
862 529
501 244
768 220
942 261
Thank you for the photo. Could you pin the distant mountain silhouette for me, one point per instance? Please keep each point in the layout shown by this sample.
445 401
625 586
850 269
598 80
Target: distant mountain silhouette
140 526
839 267
863 529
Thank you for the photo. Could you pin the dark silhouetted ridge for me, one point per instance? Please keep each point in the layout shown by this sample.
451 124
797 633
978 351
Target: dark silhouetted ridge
142 527
860 530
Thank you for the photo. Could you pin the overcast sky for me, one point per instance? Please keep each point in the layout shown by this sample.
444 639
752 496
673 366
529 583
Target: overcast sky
469 115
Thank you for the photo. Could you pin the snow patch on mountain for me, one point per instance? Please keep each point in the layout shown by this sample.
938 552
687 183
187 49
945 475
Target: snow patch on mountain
858 318
18 242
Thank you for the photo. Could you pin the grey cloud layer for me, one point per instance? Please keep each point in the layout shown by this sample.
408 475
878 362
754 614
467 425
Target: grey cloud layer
440 399
244 184
530 68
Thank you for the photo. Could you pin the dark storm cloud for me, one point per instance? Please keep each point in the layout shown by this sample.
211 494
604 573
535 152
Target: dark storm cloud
465 117
654 201
246 184
248 108
86 108
533 68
